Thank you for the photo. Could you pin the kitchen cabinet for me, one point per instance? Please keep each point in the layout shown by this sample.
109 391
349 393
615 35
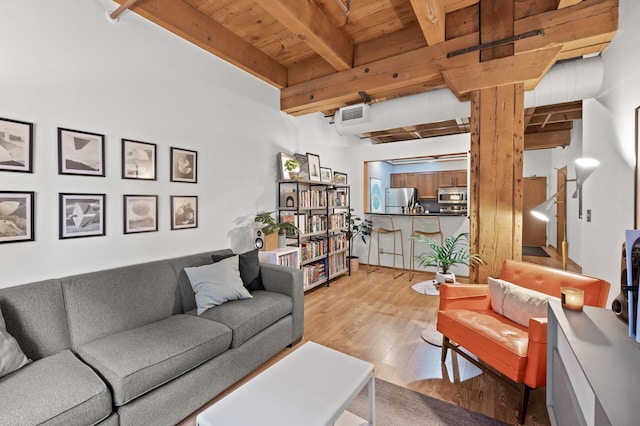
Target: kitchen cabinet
453 178
428 184
404 180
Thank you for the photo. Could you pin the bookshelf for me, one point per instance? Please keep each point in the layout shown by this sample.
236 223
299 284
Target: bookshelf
319 210
286 256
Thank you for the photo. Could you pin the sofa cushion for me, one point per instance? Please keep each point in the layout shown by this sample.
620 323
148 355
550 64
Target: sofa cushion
217 283
249 268
135 361
35 316
517 303
56 390
492 337
11 356
248 317
111 301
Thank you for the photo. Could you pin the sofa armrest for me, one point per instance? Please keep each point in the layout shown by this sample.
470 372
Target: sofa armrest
288 281
536 372
464 296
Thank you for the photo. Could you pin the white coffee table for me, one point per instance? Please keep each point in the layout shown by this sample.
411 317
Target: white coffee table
313 385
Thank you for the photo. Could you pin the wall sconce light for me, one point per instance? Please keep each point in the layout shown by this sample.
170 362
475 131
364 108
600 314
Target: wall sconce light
584 168
543 210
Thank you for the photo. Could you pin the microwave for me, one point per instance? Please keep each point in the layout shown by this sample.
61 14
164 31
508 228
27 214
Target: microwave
453 195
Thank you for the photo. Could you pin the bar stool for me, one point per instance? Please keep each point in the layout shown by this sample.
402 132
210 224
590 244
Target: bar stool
383 225
427 226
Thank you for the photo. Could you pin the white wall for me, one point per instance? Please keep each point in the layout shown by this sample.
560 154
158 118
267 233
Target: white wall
65 65
609 136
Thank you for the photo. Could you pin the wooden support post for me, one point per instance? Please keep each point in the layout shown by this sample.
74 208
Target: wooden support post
124 6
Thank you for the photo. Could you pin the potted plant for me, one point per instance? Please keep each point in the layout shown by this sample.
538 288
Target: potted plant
454 251
272 228
293 166
357 226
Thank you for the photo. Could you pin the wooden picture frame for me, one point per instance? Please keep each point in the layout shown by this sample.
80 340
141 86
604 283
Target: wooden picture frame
313 164
340 178
16 146
17 222
326 175
80 153
184 165
184 212
140 213
82 215
138 160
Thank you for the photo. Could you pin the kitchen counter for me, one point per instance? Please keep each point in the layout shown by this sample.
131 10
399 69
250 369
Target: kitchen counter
450 225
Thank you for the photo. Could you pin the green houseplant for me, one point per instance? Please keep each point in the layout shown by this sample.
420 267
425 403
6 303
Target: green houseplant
293 167
272 228
357 226
453 251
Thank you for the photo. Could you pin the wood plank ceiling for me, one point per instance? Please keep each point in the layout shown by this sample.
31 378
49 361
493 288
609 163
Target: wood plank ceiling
326 54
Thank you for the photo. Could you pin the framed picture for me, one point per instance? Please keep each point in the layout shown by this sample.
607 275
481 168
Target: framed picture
325 174
138 160
82 215
313 162
283 158
304 165
80 153
16 216
375 195
636 219
16 146
340 178
140 213
184 211
184 165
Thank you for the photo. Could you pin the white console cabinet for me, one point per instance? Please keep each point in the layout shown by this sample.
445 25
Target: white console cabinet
593 369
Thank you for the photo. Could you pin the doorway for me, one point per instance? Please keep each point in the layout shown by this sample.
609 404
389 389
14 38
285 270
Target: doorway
534 231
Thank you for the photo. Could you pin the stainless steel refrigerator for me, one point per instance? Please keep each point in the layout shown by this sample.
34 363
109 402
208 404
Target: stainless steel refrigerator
396 200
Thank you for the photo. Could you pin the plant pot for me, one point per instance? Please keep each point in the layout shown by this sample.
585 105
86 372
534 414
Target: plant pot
270 242
354 263
449 277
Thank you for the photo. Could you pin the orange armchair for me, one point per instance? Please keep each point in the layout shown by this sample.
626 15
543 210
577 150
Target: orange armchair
517 354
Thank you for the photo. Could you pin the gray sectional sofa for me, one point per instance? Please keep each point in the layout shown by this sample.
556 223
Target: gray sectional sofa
124 346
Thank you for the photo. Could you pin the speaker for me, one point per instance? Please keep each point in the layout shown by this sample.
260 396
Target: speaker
258 238
620 305
629 278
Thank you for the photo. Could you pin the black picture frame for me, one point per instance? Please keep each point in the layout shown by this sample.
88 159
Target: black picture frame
16 146
140 213
82 215
139 160
184 165
313 164
17 222
304 165
80 153
184 212
340 178
326 175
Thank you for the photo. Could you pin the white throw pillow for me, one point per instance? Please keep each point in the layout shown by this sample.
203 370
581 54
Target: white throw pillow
517 303
217 283
11 356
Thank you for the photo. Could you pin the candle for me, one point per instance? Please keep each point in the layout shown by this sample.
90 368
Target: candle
572 298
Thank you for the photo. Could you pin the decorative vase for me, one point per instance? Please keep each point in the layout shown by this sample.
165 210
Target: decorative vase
270 242
282 240
449 277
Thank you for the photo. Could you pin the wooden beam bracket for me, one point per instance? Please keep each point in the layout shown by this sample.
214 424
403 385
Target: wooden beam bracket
496 43
123 7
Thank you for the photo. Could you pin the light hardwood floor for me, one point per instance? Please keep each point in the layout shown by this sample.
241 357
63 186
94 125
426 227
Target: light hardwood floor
379 319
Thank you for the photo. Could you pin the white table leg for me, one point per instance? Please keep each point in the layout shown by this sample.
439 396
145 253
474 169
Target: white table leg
372 400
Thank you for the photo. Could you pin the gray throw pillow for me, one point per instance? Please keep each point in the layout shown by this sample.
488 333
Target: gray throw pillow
11 356
217 283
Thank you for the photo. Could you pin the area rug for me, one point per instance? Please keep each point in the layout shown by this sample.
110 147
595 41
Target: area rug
534 251
398 406
426 287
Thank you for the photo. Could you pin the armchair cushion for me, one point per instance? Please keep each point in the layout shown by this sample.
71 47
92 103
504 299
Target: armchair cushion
517 303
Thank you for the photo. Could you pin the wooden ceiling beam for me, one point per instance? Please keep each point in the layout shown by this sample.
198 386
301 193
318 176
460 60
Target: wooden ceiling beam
589 23
550 127
561 4
538 120
528 67
453 5
431 17
547 139
192 25
312 26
